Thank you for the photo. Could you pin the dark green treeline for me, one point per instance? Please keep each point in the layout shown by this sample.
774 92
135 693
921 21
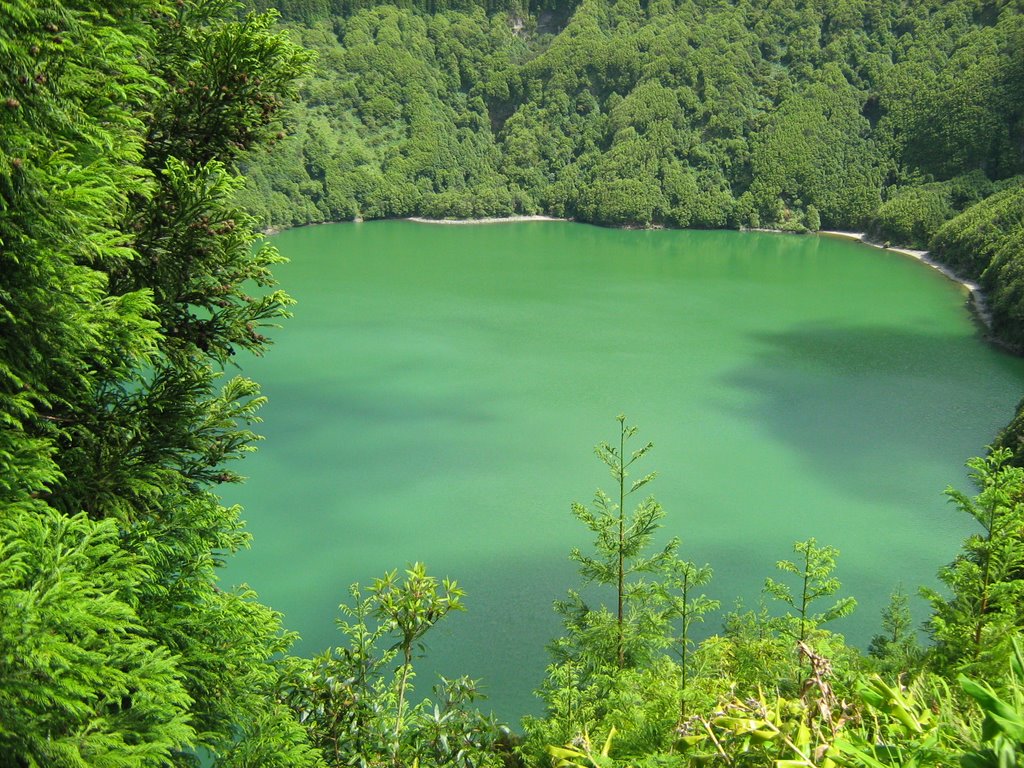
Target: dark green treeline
772 113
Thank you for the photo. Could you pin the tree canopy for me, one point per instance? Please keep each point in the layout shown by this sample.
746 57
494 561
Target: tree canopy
125 273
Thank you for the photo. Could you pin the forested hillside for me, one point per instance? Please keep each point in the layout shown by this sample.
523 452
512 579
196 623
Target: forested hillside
773 113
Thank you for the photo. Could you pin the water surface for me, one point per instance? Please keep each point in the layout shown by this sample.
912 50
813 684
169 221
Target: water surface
439 392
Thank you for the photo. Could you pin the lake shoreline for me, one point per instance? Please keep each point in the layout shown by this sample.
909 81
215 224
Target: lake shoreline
271 231
487 220
978 302
752 345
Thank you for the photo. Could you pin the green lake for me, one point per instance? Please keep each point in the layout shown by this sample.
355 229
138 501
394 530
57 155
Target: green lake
438 394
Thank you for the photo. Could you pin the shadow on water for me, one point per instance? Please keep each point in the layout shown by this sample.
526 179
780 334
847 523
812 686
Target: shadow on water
315 412
826 392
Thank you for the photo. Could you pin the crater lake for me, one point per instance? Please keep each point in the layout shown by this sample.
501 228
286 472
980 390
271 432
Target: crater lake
439 391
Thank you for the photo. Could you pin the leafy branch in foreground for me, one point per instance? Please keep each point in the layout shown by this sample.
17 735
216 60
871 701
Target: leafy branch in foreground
354 699
410 608
1003 726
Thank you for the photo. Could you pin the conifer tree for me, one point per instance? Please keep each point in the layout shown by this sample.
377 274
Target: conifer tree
621 539
974 626
815 582
896 647
680 580
123 268
81 682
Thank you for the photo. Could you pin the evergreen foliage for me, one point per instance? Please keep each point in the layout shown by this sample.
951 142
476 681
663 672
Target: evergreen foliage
813 572
896 647
81 681
124 267
974 627
677 589
607 671
744 708
622 539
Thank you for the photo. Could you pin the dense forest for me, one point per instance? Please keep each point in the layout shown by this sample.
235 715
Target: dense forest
132 274
884 116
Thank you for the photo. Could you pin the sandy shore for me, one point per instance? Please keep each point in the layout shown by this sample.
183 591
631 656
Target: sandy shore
977 297
269 231
495 220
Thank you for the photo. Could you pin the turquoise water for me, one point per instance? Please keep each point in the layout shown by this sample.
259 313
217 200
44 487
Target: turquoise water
438 394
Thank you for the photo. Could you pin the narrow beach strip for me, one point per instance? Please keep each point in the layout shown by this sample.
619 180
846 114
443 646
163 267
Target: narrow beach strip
493 220
977 296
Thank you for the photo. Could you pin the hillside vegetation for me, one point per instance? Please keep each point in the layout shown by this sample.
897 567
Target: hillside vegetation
773 113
